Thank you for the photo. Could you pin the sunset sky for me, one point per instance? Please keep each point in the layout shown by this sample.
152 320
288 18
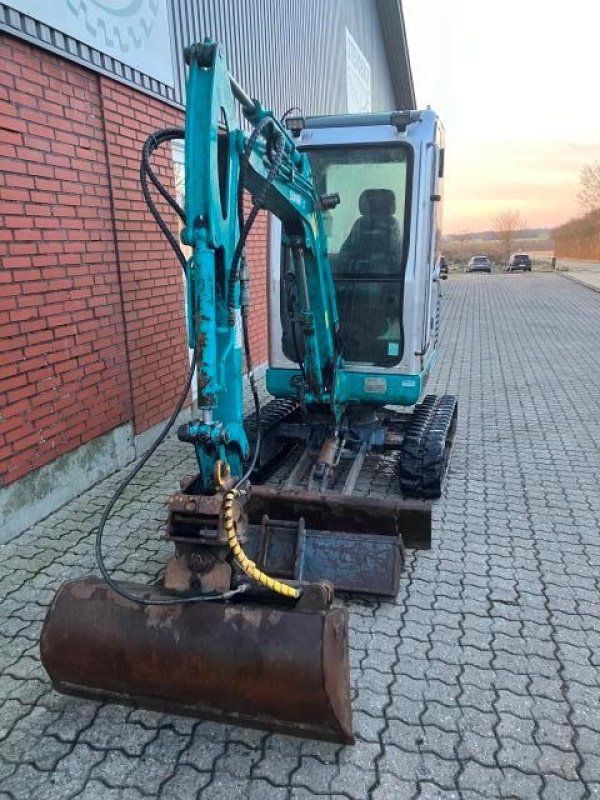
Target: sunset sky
516 85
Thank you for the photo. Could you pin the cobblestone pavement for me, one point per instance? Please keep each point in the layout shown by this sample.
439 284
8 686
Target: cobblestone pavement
480 681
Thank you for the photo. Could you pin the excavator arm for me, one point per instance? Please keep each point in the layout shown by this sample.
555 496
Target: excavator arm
223 161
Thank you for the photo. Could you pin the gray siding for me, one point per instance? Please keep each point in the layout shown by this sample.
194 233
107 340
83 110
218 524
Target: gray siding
290 52
284 52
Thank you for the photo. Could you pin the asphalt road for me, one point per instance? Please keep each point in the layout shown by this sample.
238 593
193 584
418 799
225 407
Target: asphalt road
480 681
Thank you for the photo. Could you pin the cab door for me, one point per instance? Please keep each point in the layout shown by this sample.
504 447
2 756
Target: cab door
431 236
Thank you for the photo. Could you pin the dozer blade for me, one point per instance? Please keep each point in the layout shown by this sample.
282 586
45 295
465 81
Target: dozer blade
243 663
355 543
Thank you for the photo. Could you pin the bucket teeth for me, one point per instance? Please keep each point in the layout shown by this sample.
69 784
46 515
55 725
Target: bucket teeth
243 663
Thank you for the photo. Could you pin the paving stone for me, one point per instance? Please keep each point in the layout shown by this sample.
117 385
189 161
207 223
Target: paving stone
481 749
114 769
258 790
564 764
517 785
430 791
440 770
186 782
521 756
484 780
314 775
70 776
23 782
226 787
238 759
515 728
353 781
558 789
479 681
590 768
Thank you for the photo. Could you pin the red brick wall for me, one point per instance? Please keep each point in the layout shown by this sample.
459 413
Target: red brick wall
151 275
91 307
256 252
63 365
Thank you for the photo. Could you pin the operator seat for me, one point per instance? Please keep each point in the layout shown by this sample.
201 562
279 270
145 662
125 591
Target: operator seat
374 244
368 304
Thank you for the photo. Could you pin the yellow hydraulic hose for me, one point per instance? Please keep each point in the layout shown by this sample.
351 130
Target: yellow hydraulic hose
245 563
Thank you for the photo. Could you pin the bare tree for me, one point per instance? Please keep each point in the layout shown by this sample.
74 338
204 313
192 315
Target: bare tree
457 247
579 237
507 224
589 181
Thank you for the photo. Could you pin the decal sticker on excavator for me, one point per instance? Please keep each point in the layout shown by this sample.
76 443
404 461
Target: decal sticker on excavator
375 385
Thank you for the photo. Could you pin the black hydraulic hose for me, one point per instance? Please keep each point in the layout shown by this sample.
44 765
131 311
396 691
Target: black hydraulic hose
153 141
114 585
287 113
254 390
297 350
147 173
246 226
149 147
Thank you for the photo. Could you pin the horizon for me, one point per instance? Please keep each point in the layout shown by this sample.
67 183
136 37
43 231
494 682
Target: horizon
518 130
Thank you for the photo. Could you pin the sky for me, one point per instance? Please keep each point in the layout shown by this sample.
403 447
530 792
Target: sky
515 83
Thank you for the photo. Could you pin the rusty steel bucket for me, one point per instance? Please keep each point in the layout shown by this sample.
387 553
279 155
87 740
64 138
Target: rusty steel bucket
243 663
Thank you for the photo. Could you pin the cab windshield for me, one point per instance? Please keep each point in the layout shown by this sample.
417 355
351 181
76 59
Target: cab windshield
367 243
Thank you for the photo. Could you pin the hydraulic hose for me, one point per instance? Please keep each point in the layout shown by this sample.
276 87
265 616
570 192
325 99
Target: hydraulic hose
153 141
248 566
114 585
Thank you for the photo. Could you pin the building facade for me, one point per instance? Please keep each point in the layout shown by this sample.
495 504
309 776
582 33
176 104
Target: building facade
92 342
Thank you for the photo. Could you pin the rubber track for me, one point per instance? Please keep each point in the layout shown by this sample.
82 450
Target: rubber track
271 415
426 446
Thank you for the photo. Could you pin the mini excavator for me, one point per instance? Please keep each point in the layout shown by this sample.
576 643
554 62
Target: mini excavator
243 627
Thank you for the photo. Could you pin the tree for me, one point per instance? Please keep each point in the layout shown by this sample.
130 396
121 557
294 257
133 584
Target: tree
589 181
457 247
507 224
579 237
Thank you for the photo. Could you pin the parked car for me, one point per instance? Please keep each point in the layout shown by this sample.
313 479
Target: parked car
443 267
479 264
519 261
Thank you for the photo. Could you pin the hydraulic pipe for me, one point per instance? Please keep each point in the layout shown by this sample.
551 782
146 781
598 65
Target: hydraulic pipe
241 95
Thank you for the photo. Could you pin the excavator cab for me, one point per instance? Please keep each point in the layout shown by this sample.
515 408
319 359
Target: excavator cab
382 243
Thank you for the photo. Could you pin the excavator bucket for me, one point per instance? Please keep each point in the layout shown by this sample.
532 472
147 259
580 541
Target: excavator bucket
245 663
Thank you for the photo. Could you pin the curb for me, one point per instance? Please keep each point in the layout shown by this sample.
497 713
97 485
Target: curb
580 282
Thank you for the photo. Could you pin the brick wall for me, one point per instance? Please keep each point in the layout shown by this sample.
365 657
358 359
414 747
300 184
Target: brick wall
91 306
63 364
151 275
256 252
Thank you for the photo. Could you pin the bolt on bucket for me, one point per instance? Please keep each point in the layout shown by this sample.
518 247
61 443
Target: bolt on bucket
244 663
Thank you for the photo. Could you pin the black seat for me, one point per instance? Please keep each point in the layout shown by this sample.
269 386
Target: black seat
368 303
374 244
